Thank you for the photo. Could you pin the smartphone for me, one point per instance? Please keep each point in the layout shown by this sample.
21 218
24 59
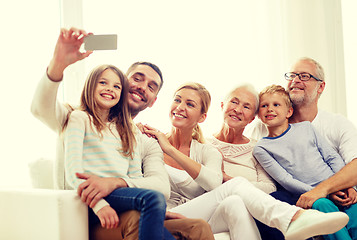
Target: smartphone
100 42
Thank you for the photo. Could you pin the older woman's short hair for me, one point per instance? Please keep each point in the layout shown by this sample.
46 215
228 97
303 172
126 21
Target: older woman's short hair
248 87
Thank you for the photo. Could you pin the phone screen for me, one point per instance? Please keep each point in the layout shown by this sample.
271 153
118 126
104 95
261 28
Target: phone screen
100 42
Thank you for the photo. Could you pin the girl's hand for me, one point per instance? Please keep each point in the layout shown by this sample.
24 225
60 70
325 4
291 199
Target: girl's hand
67 52
160 137
108 217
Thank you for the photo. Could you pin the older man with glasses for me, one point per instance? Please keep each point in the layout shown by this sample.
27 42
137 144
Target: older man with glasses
306 82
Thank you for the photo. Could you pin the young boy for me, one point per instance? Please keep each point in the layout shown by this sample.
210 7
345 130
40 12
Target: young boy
298 158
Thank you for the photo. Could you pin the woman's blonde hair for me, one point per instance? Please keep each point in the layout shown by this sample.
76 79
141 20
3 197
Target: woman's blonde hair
119 114
205 97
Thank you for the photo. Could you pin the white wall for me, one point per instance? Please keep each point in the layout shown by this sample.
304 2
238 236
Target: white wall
313 28
28 32
349 20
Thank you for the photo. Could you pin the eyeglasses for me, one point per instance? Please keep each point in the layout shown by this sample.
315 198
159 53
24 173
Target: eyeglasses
302 76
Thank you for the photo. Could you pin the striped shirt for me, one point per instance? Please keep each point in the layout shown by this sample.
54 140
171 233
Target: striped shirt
89 152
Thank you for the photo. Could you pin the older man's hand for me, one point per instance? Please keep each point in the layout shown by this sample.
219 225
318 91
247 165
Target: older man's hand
307 199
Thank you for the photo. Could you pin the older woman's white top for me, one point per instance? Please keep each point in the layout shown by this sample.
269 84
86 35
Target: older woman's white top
238 160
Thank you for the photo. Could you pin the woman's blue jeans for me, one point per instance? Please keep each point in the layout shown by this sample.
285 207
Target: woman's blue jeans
151 205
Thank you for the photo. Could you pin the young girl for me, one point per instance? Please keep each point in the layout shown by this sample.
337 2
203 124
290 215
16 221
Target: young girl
100 139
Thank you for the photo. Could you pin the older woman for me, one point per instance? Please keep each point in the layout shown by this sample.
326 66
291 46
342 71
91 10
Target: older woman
195 168
239 108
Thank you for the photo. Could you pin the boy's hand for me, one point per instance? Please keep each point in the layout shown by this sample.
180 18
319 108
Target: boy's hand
351 192
108 217
339 198
344 197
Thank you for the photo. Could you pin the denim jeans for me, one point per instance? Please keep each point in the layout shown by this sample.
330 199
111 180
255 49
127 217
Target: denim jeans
151 205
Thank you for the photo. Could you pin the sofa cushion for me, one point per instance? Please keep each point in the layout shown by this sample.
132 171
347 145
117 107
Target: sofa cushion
42 214
41 173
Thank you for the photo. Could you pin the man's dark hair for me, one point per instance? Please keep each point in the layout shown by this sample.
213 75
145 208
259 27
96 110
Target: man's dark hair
153 66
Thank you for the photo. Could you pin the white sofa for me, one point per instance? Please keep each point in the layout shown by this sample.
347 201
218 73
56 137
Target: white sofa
43 213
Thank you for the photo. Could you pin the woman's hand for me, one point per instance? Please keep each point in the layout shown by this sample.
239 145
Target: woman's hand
67 52
161 138
140 126
192 167
142 129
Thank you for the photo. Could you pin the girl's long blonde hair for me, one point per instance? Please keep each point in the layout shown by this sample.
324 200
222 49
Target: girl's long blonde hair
119 114
205 103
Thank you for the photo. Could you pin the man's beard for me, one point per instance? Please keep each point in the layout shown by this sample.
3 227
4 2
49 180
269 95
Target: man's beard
304 99
297 100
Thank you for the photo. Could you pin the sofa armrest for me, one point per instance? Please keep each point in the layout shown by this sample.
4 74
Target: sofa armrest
42 214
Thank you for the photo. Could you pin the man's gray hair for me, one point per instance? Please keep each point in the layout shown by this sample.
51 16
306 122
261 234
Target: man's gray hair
320 74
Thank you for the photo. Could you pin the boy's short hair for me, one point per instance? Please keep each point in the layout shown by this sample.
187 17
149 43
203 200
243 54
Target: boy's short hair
279 90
